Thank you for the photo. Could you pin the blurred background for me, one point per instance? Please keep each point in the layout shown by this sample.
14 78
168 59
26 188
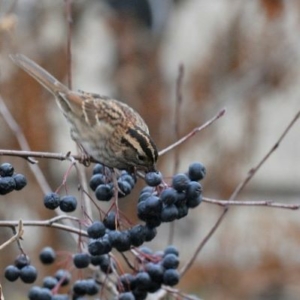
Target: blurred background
238 54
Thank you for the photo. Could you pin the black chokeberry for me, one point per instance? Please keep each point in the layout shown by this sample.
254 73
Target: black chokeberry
81 260
51 200
63 276
7 185
11 273
171 277
124 188
168 196
153 178
170 261
171 250
180 182
28 274
104 192
47 255
49 282
96 180
21 261
68 203
20 181
6 169
196 171
169 213
96 230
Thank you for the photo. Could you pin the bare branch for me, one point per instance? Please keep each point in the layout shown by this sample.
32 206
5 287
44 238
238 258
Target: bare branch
266 203
192 133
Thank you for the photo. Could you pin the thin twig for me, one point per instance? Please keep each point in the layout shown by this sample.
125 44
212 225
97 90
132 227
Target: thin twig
52 223
192 133
254 170
266 203
179 99
185 268
68 9
15 237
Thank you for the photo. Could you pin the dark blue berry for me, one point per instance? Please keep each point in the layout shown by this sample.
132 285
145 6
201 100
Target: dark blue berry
171 277
155 271
168 196
170 261
7 185
60 297
127 282
139 294
180 182
49 282
137 235
150 233
80 287
153 178
110 220
98 169
51 200
11 273
128 178
194 190
124 188
96 230
91 287
153 221
63 276
121 241
103 261
6 169
126 296
104 192
194 202
99 246
28 274
96 180
183 211
21 261
20 181
142 280
196 171
81 260
169 213
47 256
171 250
153 206
68 203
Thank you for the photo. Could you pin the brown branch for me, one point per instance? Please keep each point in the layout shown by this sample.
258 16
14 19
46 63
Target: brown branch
52 223
192 133
68 9
15 237
254 170
266 203
186 267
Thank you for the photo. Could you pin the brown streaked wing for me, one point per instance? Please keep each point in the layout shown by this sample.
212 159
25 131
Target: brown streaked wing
134 117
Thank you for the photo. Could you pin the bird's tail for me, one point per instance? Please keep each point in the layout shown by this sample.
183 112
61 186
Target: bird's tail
38 73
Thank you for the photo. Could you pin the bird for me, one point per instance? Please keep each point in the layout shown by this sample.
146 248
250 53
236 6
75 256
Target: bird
108 130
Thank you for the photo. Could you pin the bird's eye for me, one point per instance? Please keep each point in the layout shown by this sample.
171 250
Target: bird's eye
141 157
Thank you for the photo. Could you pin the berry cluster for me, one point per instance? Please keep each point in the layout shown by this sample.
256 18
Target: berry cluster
9 180
157 269
102 183
104 236
158 203
21 269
